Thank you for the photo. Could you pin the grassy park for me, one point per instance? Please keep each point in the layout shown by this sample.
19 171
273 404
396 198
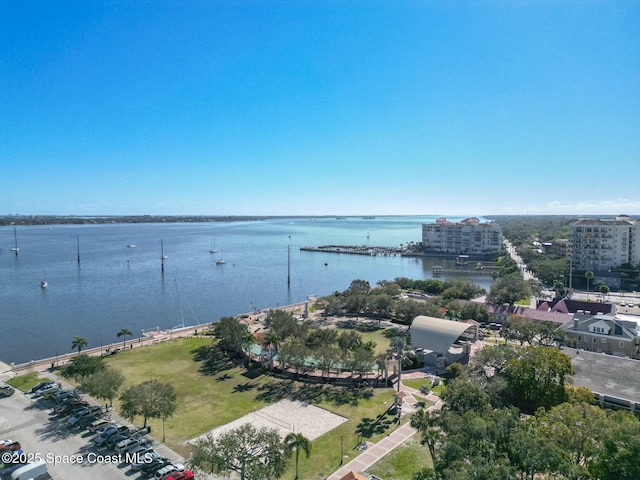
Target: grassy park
212 393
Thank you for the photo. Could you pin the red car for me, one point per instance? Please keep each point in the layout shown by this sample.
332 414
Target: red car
184 475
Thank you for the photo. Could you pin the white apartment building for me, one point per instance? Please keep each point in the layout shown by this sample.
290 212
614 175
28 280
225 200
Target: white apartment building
599 245
467 237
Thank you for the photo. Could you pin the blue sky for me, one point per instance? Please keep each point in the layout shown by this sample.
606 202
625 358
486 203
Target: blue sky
319 107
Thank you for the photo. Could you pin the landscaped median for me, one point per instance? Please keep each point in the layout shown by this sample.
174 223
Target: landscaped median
214 393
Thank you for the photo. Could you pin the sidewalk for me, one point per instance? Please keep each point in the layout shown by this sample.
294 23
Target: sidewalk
375 452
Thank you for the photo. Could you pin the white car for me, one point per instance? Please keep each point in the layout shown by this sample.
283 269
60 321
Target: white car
165 471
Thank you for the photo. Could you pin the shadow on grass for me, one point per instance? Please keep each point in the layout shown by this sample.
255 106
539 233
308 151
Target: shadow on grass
313 393
369 427
213 360
353 324
244 387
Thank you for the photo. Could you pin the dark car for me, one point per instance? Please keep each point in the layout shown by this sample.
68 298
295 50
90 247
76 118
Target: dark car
69 406
90 410
42 385
6 391
154 465
108 432
84 422
113 440
65 395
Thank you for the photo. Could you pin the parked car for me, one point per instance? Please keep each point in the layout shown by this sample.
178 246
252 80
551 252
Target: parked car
102 439
167 470
42 385
68 406
99 424
138 453
113 440
10 446
90 410
65 395
46 391
184 475
6 391
149 469
123 445
84 422
145 458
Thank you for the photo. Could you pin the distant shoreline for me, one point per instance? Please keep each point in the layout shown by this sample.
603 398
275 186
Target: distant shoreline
28 220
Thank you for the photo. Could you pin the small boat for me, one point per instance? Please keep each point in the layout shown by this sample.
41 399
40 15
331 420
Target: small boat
213 248
44 283
15 240
131 245
162 255
221 261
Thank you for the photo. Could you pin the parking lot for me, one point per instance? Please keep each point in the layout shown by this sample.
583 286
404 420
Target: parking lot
68 452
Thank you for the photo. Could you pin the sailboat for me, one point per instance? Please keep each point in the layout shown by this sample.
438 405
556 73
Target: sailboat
15 239
213 247
221 261
162 255
44 283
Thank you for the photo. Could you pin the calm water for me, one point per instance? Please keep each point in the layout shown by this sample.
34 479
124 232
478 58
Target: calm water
116 287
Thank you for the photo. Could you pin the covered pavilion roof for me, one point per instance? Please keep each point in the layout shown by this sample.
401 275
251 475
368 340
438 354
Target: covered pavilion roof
437 334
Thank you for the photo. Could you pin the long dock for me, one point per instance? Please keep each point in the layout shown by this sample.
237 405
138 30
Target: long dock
356 250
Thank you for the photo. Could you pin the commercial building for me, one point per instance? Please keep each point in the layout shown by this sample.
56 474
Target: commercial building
467 237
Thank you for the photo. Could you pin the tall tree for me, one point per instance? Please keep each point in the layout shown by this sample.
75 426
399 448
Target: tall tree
589 276
298 442
124 333
231 334
398 346
272 342
538 377
104 384
253 453
79 343
508 289
82 366
150 399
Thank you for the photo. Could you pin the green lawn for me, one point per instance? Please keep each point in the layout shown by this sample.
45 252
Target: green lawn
418 382
213 394
403 462
27 382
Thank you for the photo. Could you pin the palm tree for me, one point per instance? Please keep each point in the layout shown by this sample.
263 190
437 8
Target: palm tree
604 290
272 341
589 276
297 442
123 333
398 344
78 342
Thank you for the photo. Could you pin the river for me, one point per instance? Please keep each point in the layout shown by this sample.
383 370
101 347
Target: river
116 286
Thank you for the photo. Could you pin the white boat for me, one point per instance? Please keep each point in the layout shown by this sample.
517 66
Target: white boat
44 283
131 245
221 261
162 255
15 240
213 248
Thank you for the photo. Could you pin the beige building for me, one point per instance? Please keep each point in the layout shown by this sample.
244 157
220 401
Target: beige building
605 334
467 237
599 245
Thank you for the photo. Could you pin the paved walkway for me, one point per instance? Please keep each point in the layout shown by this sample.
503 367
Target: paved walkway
403 433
